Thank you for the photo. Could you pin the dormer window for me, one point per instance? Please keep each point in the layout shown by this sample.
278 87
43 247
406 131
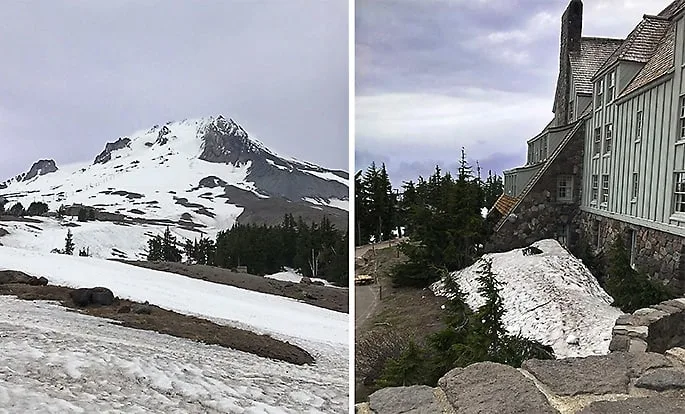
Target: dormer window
612 86
599 93
681 132
639 119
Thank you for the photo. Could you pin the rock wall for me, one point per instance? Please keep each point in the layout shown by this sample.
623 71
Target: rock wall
540 215
619 383
654 329
659 254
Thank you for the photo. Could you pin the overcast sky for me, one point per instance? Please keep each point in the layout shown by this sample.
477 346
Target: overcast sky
76 74
433 76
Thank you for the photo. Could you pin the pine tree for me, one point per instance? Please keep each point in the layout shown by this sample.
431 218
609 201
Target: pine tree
16 210
84 252
170 251
69 243
37 208
155 249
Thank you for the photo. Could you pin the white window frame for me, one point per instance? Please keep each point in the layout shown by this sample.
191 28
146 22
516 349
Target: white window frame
681 121
608 135
565 188
612 86
599 97
597 140
639 124
679 193
636 186
595 189
605 190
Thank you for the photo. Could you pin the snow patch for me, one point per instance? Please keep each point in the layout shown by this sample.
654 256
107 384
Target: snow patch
550 297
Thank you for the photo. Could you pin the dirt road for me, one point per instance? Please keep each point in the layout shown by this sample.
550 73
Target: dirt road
366 300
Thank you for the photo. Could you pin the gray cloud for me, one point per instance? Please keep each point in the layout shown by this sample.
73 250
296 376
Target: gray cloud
74 77
434 76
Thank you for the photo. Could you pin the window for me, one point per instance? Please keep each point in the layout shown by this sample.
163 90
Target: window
612 86
605 189
680 192
609 132
638 125
543 148
595 188
565 188
599 93
530 153
598 140
636 185
682 118
570 111
633 247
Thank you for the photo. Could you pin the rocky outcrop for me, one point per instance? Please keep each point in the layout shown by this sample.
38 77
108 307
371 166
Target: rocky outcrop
106 154
162 137
224 141
40 167
621 382
14 276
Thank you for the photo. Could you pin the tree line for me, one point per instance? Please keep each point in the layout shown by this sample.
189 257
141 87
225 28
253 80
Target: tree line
315 250
442 215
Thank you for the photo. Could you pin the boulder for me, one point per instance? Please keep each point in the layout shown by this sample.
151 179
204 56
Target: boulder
92 296
14 276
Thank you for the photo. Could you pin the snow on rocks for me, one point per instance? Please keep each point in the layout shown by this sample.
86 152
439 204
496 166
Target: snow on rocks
550 297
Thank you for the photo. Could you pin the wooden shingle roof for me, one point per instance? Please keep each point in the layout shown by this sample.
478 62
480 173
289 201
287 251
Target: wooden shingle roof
504 204
658 65
641 43
594 51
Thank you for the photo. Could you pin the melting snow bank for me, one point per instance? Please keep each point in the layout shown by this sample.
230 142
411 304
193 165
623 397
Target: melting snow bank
290 275
550 297
54 360
284 318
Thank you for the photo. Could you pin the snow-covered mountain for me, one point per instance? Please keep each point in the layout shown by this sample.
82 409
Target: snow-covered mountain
199 176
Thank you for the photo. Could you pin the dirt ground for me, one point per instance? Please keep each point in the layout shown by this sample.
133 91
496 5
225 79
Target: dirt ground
336 299
399 311
170 323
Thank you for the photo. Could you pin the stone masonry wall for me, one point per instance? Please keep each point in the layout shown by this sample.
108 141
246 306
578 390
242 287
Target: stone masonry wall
654 329
540 216
659 254
618 383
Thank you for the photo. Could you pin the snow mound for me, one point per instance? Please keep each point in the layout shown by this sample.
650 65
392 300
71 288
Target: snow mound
550 297
289 275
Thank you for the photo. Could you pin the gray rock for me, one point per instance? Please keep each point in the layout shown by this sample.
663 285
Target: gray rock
106 154
143 309
594 374
417 399
662 379
92 296
488 387
651 405
619 343
40 167
14 276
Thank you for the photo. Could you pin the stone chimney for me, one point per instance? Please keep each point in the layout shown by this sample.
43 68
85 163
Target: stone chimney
571 30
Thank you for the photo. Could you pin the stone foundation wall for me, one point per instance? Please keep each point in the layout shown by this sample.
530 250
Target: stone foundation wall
659 254
540 215
654 329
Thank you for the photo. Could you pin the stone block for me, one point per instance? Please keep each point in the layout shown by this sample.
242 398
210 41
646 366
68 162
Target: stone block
417 399
619 343
637 345
473 390
651 405
662 379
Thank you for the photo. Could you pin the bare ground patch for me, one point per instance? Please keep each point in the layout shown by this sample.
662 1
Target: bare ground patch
336 299
169 322
400 314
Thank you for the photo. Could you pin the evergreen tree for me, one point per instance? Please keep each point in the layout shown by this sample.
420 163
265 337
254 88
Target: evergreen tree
37 208
16 210
155 249
170 251
69 243
82 214
84 252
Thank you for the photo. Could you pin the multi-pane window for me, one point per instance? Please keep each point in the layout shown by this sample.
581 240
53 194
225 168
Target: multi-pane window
605 188
682 118
598 139
612 86
595 187
570 111
639 119
543 148
599 93
530 153
636 185
565 188
679 192
609 133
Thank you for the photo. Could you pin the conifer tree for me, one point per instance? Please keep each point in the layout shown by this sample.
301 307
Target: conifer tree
69 243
